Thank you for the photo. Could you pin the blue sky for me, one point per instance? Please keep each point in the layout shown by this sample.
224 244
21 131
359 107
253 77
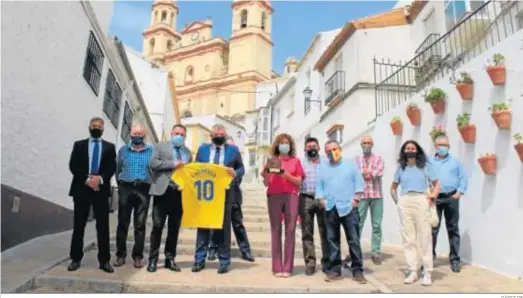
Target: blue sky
295 23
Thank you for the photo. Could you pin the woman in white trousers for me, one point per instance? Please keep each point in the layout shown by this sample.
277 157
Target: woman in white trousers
414 176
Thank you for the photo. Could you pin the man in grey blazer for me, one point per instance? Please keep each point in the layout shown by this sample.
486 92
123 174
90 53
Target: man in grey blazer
166 158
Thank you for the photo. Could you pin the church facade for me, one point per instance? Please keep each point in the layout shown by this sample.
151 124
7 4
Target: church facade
213 75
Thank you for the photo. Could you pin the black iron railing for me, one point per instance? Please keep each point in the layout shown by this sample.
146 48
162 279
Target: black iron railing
477 32
334 86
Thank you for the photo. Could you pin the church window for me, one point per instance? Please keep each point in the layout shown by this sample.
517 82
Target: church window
263 20
151 46
112 98
187 114
172 19
189 74
164 16
169 45
288 69
243 21
93 64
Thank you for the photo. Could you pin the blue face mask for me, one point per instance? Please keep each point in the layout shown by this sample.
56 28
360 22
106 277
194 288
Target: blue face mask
137 140
443 150
177 140
284 148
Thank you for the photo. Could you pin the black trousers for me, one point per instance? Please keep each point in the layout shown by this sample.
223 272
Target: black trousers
133 198
350 224
448 207
308 209
221 238
168 205
82 206
238 228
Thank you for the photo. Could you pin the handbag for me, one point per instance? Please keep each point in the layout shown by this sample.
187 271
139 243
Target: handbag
433 213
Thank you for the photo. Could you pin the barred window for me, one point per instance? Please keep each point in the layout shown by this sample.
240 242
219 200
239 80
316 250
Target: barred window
94 60
113 96
127 122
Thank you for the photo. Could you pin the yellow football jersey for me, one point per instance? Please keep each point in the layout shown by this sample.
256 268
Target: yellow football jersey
203 187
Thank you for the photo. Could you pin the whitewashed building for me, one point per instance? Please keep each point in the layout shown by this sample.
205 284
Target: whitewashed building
58 71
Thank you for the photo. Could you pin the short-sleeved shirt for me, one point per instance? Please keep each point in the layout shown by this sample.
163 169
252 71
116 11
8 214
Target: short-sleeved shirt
414 179
278 184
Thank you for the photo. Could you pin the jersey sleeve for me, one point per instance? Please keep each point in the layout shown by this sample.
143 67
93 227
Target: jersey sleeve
179 175
223 177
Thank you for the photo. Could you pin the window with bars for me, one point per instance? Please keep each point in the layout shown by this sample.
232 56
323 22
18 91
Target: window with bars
94 60
252 158
127 122
336 135
112 98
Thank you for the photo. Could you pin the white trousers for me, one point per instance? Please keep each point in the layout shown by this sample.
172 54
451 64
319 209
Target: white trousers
416 231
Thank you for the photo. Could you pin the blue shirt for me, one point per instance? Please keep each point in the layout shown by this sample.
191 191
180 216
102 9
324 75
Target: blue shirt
133 165
414 179
337 184
450 174
91 148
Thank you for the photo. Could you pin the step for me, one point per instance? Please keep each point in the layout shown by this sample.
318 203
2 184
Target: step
243 278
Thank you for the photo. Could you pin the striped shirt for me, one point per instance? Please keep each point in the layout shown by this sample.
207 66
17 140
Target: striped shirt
309 181
373 187
133 165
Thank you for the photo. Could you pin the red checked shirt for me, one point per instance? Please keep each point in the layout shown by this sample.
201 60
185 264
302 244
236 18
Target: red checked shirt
373 187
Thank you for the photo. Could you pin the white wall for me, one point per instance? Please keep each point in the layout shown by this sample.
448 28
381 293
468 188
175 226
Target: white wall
492 210
266 90
46 102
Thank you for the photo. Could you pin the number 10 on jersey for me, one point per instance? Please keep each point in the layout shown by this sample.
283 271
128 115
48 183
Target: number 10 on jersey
204 189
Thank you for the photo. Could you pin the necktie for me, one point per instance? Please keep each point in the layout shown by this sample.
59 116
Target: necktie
217 155
95 157
178 154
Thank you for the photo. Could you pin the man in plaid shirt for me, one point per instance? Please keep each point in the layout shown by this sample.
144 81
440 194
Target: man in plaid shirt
371 166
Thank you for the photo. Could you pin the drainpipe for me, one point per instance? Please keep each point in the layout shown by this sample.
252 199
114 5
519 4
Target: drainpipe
121 114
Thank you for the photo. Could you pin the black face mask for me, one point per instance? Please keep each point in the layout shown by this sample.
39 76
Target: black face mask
218 140
137 140
312 153
95 132
410 155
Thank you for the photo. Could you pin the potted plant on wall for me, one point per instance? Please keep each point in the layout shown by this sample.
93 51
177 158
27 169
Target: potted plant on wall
397 126
465 86
466 129
501 114
437 131
414 114
496 69
436 98
488 163
519 145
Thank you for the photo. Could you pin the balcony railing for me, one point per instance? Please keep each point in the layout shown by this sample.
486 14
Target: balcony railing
334 86
396 83
427 42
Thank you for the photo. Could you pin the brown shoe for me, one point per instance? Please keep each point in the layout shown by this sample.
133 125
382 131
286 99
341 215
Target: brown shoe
376 259
359 278
333 277
138 263
119 262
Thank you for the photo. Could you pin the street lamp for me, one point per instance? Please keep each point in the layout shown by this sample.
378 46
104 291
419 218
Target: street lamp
307 94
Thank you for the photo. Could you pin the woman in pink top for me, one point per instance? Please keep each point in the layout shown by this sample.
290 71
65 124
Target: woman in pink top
282 193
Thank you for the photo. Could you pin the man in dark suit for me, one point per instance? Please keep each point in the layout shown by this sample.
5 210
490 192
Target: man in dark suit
237 222
92 163
218 152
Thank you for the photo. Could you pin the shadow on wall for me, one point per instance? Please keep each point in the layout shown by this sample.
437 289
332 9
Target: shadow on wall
487 193
415 133
466 246
502 147
520 194
25 217
497 95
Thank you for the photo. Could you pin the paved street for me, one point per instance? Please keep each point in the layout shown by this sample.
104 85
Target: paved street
244 277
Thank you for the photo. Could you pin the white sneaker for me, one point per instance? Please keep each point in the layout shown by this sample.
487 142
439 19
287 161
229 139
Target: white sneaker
411 277
427 280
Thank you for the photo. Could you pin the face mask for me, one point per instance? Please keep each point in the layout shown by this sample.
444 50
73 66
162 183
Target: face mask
410 154
218 140
334 156
366 149
284 148
177 140
137 140
95 132
443 150
312 153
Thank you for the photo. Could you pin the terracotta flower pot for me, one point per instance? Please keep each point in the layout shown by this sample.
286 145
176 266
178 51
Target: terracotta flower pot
503 119
497 74
468 133
438 106
466 91
397 128
519 150
488 164
414 115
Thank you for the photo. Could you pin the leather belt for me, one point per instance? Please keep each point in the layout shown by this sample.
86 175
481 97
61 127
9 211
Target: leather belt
307 195
447 194
135 183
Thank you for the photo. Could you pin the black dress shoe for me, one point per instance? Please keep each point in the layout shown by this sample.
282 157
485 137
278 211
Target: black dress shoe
73 266
197 267
212 255
223 269
310 270
152 266
106 267
455 267
171 265
248 257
